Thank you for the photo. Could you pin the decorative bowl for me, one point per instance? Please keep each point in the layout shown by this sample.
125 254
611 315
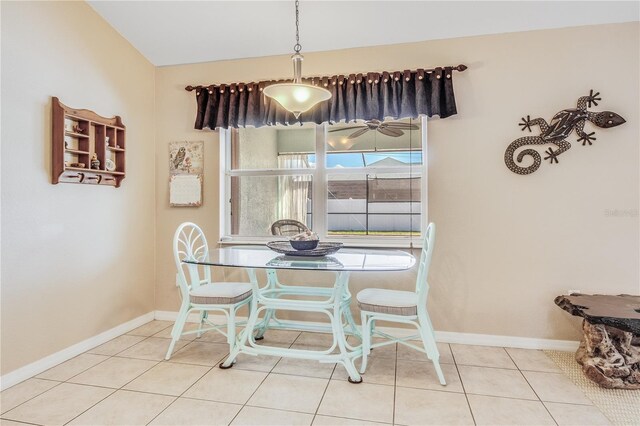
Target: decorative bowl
304 244
323 249
109 165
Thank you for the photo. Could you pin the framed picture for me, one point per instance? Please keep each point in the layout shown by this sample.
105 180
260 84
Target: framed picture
185 191
186 157
186 166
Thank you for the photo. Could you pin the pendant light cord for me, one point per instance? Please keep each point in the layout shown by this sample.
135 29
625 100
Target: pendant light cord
298 47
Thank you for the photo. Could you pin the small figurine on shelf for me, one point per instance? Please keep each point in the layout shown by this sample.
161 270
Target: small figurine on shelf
95 163
106 140
77 129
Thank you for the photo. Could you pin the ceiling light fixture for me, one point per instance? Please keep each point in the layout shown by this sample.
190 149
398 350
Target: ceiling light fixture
343 144
297 97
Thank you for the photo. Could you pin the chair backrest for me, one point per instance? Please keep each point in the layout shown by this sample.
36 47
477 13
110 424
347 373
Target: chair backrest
422 285
288 227
189 243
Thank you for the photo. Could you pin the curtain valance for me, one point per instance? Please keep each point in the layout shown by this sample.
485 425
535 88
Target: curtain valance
365 96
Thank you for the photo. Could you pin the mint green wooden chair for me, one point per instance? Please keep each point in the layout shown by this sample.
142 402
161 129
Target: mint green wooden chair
402 306
199 293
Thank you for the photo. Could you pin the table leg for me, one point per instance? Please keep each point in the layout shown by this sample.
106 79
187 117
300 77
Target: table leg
342 283
272 280
249 329
351 322
335 309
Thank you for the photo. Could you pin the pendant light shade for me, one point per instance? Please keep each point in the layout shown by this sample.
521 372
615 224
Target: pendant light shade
297 97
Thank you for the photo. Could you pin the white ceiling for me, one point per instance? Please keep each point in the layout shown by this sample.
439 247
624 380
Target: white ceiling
180 32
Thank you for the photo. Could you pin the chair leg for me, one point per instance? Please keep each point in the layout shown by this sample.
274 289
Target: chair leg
366 340
203 316
244 336
429 342
178 326
231 329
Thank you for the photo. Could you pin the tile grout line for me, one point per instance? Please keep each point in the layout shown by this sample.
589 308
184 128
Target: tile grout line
194 398
22 422
33 397
284 410
60 382
108 357
313 419
516 399
358 420
67 380
534 391
120 388
507 369
183 392
64 381
98 402
263 380
127 348
104 387
488 366
464 390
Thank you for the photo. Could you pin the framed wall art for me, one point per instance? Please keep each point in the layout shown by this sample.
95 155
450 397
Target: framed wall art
186 167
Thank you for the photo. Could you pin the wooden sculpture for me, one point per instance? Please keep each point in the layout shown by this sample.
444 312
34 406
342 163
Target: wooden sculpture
610 350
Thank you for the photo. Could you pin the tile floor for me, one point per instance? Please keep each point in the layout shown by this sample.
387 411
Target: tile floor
126 382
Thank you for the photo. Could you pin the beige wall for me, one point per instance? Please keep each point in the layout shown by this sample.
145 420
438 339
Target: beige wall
506 244
76 259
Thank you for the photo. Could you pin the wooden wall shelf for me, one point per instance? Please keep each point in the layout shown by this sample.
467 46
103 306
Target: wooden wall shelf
78 134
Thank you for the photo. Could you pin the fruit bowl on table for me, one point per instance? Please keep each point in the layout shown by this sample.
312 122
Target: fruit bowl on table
304 244
322 249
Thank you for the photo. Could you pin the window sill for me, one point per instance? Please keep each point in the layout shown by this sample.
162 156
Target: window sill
348 242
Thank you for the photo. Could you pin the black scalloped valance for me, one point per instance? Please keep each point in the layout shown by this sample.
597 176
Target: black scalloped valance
397 95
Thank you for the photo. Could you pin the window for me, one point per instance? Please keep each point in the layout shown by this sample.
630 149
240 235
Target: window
360 183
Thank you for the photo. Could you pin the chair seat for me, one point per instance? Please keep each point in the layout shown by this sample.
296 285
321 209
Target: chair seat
394 302
220 293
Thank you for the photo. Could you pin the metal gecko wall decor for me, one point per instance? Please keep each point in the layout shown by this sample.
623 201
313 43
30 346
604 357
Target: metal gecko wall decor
556 132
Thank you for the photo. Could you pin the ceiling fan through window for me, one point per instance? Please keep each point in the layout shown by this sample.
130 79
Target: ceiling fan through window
392 129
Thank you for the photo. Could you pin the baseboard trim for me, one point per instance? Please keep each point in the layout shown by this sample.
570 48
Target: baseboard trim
37 367
441 336
506 341
172 315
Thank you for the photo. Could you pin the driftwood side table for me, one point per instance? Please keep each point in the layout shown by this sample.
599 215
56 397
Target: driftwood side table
610 349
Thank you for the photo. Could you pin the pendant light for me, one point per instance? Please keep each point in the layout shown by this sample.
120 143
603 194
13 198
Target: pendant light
297 97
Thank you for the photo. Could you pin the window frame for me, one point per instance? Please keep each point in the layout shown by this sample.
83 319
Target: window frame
319 193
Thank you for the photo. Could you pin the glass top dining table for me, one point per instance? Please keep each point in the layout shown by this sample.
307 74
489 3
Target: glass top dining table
352 260
333 301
